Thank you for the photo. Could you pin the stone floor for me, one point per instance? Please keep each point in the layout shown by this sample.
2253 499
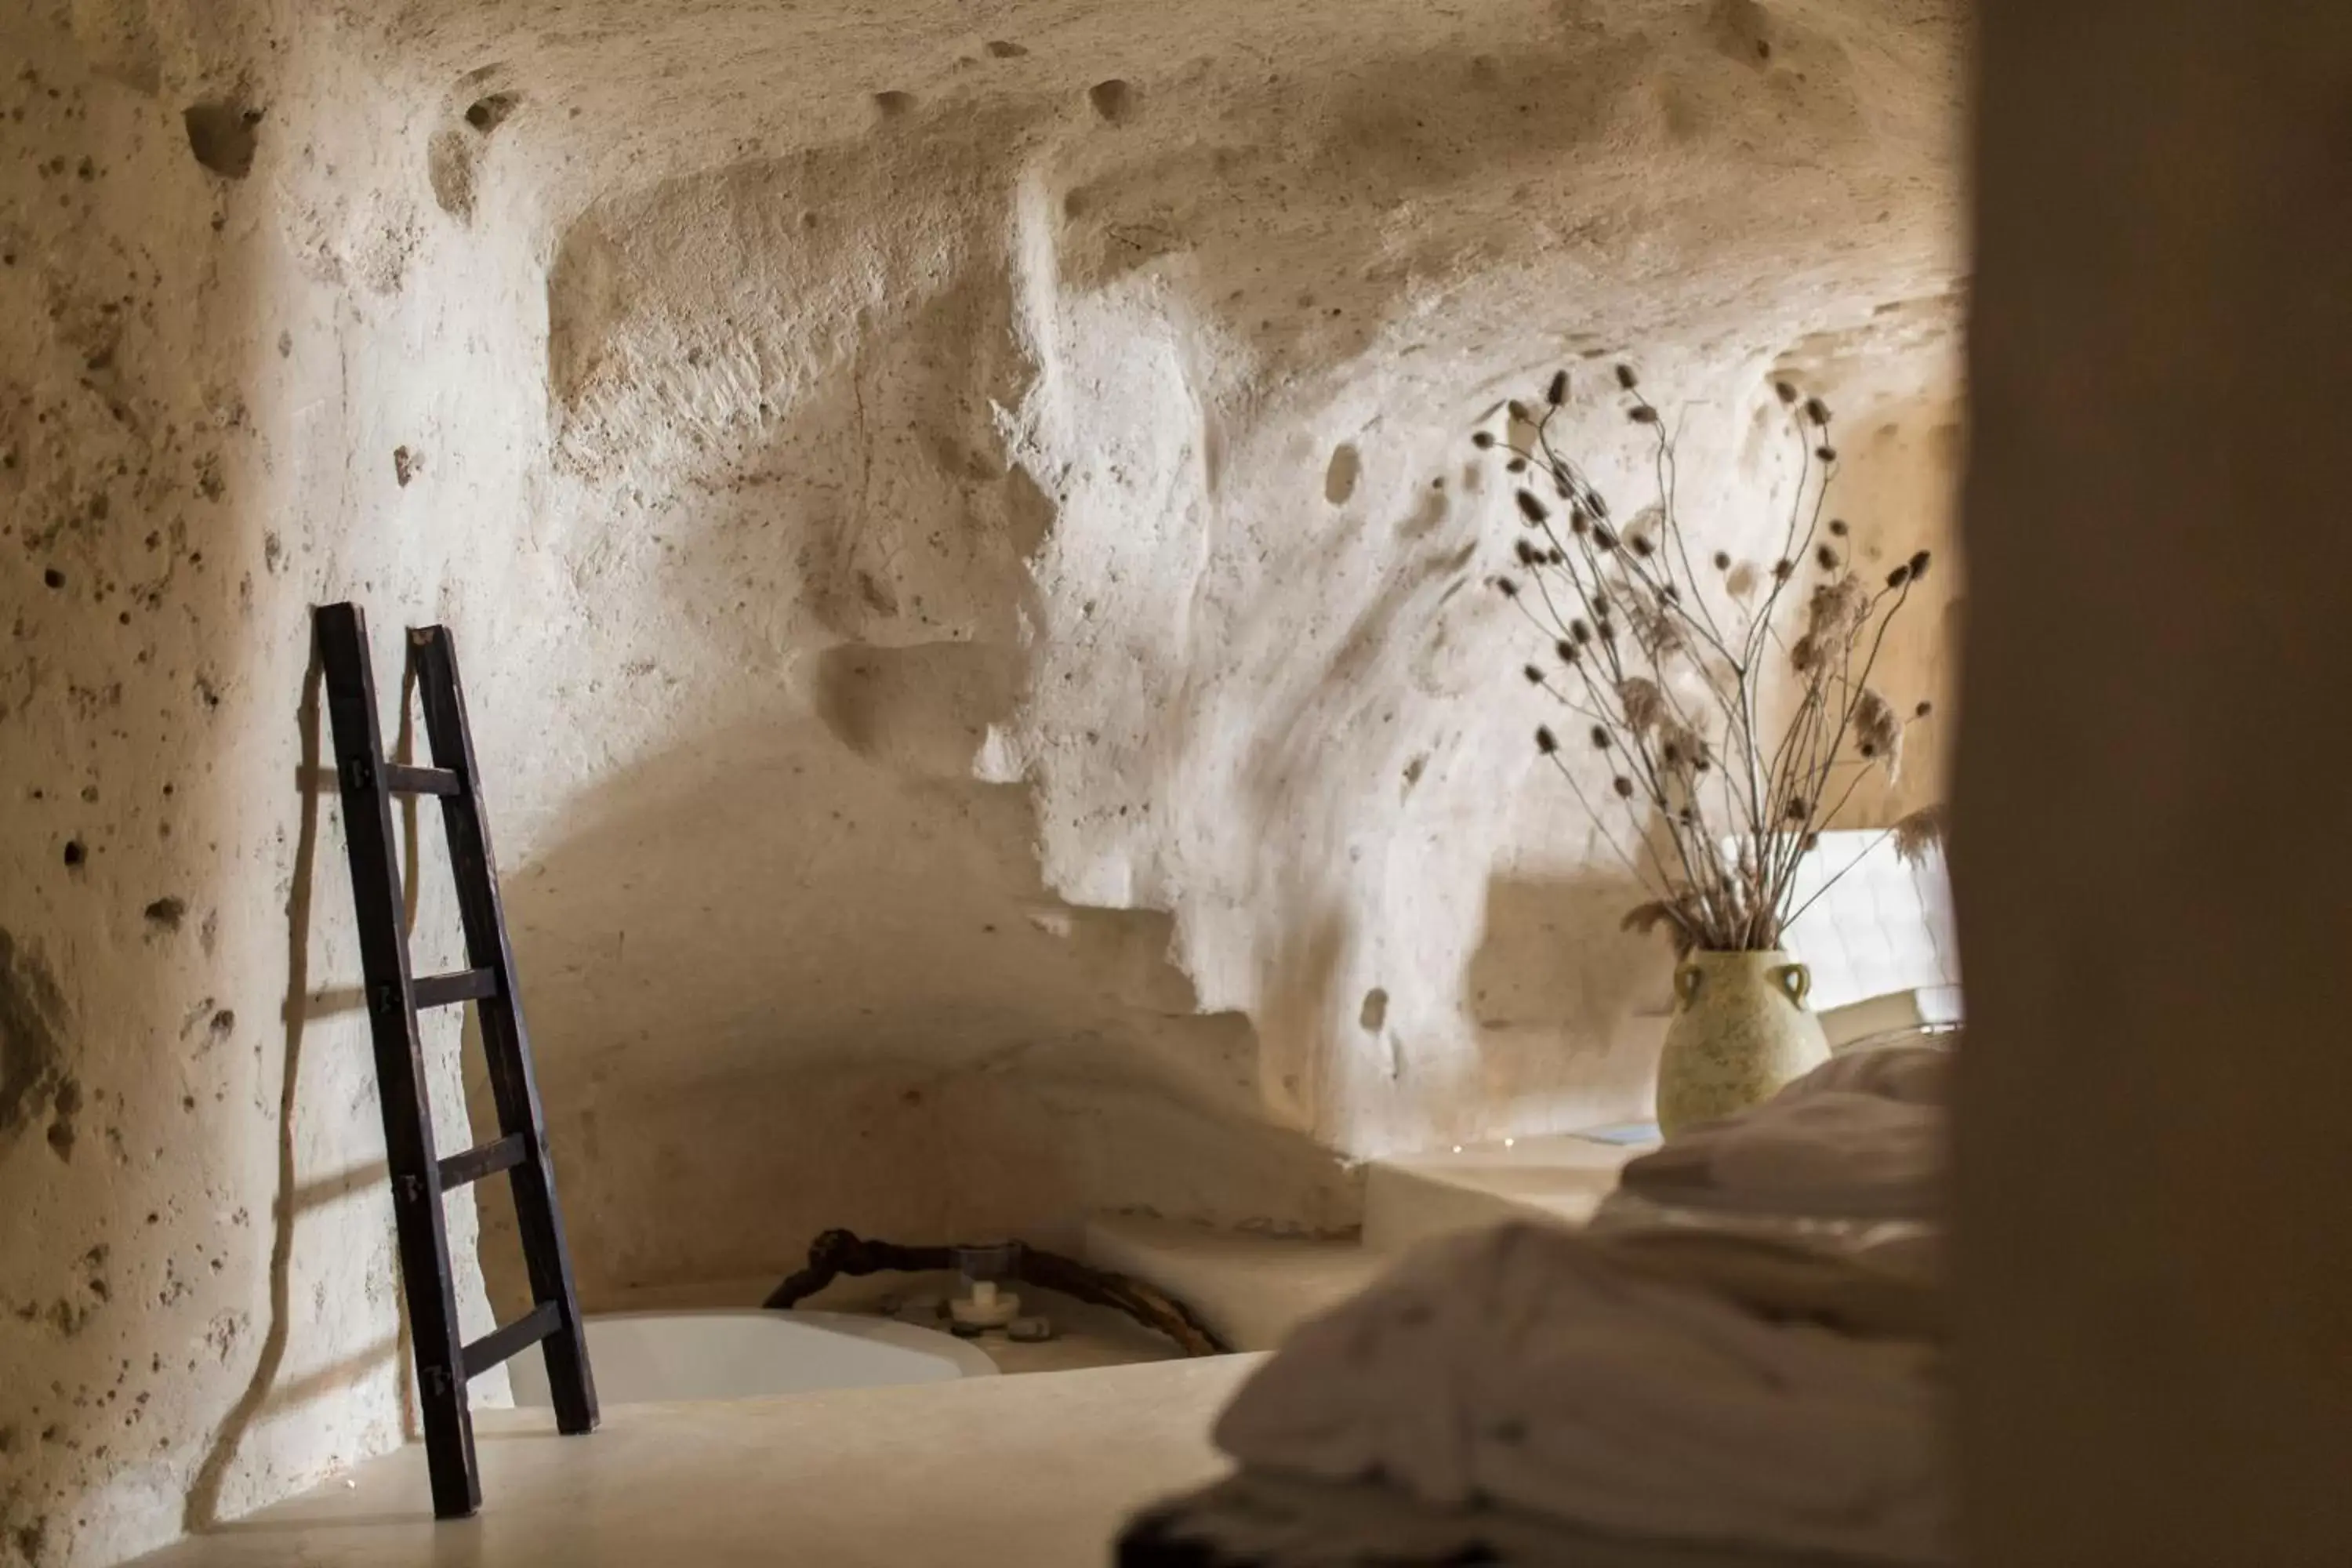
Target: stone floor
992 1472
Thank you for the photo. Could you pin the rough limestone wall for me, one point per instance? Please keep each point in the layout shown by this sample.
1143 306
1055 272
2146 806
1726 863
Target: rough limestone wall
1028 664
198 1307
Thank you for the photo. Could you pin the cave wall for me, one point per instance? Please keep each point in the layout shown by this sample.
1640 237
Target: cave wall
1035 562
198 1297
970 575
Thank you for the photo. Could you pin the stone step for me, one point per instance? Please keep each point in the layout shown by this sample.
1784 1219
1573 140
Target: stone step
1254 1288
1560 1178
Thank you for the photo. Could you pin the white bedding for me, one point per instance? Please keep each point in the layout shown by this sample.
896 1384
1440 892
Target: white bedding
1668 1377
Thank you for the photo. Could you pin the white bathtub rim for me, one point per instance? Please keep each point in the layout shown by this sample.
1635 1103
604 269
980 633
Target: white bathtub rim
971 1360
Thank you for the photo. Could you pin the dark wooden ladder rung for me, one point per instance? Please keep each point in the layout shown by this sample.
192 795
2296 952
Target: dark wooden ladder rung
458 986
401 779
504 1343
482 1160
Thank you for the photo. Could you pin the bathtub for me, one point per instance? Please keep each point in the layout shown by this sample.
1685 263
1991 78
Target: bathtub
637 1357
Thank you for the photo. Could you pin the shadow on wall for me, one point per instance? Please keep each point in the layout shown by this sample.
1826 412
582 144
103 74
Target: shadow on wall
775 985
653 1196
267 1392
1557 992
201 1506
1896 488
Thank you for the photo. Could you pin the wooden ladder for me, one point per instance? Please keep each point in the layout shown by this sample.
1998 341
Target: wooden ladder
443 1362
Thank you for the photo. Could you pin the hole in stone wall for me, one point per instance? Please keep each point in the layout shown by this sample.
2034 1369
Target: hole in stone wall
223 134
453 157
1340 479
1113 100
486 114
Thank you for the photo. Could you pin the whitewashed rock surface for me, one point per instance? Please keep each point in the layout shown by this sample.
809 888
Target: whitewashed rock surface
958 528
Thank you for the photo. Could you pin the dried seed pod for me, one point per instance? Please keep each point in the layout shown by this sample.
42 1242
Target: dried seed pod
1516 465
1642 414
1535 677
1918 564
1723 560
1827 557
1599 738
1825 452
1918 833
1566 649
1530 508
1518 411
1645 703
1878 732
1922 710
1507 587
1900 575
1545 742
1482 439
1836 610
1838 529
1623 786
1818 412
1626 378
1556 394
1786 392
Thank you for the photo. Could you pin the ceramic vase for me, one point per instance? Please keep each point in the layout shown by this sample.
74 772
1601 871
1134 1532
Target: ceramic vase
1740 1030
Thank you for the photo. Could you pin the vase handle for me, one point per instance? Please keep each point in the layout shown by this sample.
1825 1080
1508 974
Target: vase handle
1796 980
1686 983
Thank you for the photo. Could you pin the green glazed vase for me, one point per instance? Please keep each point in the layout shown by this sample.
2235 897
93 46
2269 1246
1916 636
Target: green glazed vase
1741 1029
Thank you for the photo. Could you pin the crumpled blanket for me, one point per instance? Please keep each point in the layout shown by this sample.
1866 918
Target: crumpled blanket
1779 1391
1708 1397
1859 1137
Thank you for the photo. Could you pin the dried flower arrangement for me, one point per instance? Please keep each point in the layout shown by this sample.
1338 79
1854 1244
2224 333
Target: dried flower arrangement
1664 672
